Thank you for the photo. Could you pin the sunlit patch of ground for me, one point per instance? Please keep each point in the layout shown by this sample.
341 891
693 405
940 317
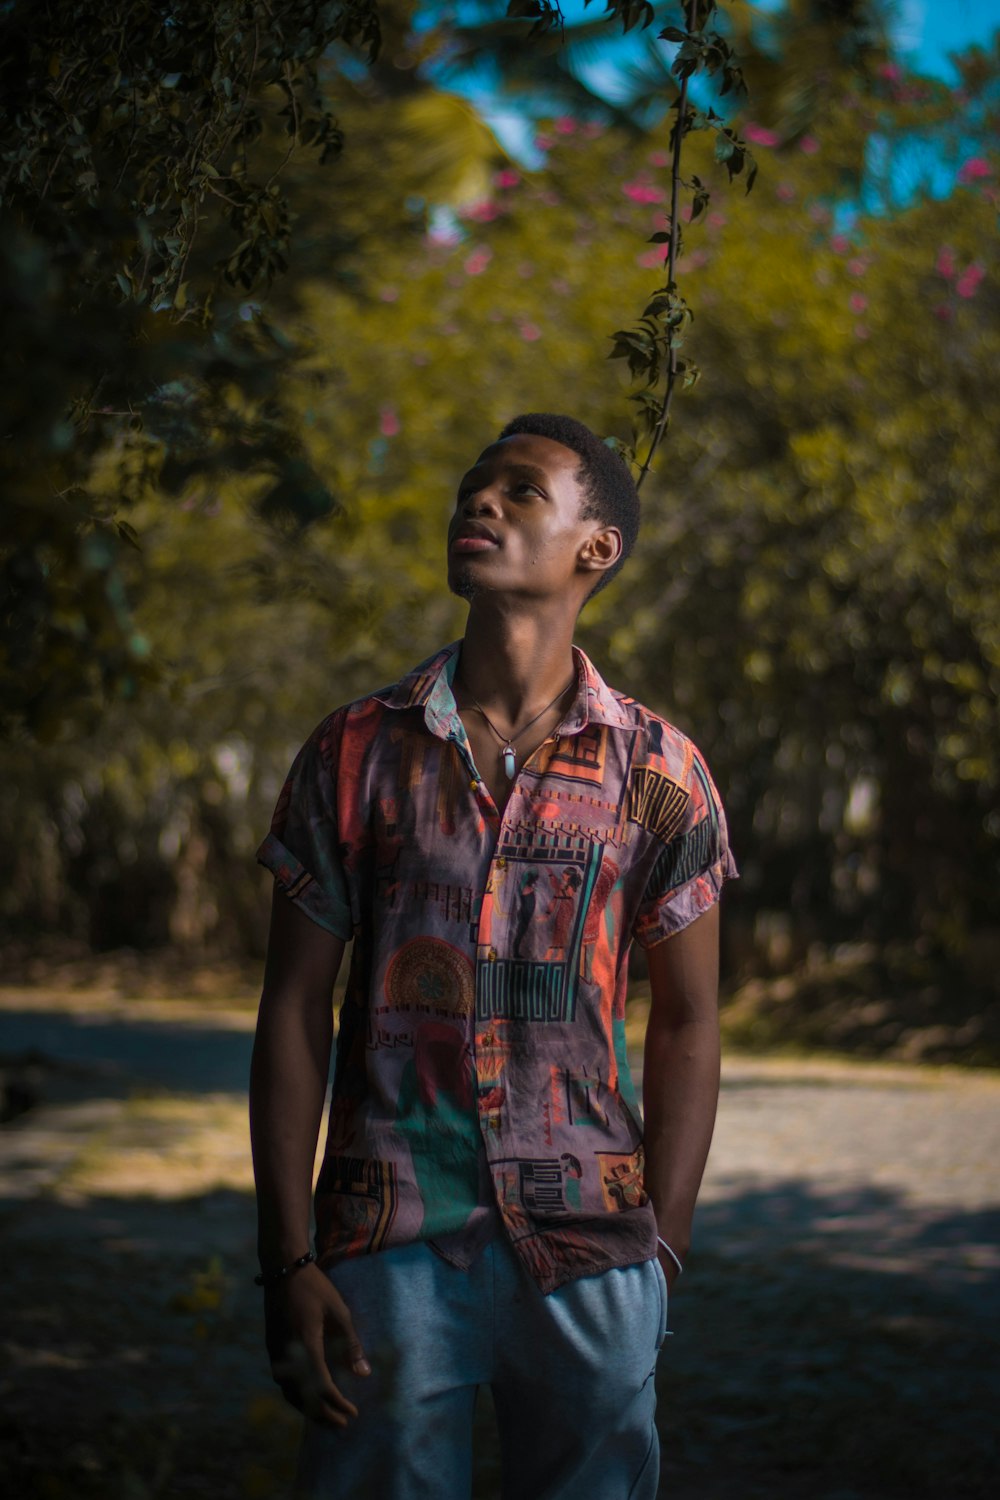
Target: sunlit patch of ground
833 1334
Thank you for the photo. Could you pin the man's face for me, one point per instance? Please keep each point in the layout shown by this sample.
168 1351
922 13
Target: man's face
516 527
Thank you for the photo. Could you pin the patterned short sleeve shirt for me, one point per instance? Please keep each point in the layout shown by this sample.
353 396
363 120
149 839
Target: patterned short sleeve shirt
480 1066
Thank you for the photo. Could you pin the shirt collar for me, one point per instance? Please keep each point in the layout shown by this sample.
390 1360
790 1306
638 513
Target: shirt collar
428 686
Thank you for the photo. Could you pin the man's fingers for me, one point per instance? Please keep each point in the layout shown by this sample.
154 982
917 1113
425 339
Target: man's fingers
346 1334
319 1388
306 1383
356 1355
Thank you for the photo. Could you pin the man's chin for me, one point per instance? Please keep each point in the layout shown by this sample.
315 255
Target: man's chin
462 582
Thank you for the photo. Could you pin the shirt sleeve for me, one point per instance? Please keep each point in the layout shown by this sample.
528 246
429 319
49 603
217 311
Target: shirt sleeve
302 849
691 869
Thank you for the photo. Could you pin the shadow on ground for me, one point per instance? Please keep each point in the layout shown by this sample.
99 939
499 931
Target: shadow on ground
831 1342
119 1053
134 1365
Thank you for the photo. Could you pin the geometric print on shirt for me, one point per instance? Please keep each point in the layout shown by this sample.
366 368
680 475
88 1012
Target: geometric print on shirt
481 1082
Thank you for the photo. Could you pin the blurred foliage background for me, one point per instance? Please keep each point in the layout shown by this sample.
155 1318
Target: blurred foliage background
270 279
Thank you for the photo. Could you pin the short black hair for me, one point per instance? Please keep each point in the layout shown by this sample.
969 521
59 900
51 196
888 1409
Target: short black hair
609 490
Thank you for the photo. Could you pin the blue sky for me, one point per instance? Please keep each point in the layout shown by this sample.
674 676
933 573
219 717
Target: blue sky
924 33
926 30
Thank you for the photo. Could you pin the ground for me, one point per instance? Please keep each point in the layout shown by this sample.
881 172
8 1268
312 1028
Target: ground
833 1335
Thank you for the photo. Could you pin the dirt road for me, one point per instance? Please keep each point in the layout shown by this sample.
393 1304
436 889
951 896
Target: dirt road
834 1335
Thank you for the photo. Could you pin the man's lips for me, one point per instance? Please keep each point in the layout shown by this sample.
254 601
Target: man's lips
472 536
472 544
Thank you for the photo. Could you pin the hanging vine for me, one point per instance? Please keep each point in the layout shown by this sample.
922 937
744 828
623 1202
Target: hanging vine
650 347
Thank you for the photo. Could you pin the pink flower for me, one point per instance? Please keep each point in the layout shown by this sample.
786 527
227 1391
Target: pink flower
862 331
642 192
478 260
819 213
565 125
785 192
389 294
388 422
945 265
482 212
858 302
840 244
970 278
658 159
508 178
760 135
544 142
650 259
715 220
591 129
942 311
891 71
857 266
809 144
686 213
974 168
530 332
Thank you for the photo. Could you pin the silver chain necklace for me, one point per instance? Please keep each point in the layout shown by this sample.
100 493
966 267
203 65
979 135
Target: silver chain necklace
507 753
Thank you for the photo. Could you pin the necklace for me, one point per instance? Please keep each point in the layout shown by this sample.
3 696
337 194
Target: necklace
506 744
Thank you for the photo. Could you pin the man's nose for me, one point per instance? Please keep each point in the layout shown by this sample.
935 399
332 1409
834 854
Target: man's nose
482 500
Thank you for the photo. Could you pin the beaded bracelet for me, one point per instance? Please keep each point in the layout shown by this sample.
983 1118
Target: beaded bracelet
271 1278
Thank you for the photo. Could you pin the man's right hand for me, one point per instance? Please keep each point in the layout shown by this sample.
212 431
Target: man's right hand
299 1314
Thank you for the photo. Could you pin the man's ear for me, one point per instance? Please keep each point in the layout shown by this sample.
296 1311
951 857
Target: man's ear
601 550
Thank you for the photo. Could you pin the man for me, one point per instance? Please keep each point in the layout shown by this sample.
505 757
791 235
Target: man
490 1206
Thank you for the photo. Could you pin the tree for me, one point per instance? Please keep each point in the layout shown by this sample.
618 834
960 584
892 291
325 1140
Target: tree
141 151
814 596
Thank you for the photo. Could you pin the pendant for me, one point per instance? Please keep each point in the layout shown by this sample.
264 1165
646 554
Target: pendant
509 763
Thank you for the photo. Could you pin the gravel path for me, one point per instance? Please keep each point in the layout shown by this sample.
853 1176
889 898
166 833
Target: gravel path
919 1147
834 1337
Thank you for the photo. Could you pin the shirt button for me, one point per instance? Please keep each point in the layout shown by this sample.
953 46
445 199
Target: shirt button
492 956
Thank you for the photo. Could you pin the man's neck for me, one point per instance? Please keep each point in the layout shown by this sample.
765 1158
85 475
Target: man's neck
514 664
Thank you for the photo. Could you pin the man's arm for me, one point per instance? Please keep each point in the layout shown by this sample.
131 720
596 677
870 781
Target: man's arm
288 1077
680 1077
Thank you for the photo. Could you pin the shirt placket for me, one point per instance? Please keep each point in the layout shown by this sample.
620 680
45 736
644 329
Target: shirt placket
492 1049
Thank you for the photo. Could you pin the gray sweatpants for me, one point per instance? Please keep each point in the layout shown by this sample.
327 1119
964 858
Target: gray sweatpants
572 1376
